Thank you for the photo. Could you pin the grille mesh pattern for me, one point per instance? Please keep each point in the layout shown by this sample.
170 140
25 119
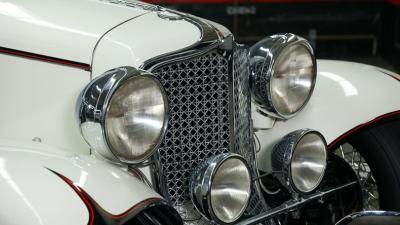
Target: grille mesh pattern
241 95
199 120
243 129
260 82
200 123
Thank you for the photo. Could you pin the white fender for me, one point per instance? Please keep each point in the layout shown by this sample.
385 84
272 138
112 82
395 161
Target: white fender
35 190
346 95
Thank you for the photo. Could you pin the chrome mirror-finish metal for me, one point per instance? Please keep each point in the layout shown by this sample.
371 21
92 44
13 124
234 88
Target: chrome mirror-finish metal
300 159
217 62
222 65
221 188
99 113
283 74
371 218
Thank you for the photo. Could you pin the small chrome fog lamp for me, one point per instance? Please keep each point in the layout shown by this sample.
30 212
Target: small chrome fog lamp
123 114
301 157
221 188
283 74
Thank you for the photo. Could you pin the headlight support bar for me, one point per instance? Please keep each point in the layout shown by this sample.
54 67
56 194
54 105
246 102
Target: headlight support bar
293 205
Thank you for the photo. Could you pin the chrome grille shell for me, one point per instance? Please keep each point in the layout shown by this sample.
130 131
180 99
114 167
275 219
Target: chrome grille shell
199 119
209 98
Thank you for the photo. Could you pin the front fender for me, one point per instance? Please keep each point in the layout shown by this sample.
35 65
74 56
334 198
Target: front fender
41 185
346 96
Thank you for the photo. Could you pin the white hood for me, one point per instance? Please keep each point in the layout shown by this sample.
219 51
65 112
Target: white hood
58 28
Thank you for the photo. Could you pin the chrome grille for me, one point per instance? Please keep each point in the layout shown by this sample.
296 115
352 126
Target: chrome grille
243 122
209 114
199 120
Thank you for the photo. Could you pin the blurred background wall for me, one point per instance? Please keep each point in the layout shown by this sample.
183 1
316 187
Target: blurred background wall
356 30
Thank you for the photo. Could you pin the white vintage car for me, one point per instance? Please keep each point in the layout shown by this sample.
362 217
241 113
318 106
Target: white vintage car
119 112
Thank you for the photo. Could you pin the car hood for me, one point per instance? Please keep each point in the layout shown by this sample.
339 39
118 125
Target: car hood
64 29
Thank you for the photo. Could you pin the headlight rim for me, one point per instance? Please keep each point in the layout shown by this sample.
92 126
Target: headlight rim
278 43
212 179
282 159
208 174
308 47
289 165
107 105
93 103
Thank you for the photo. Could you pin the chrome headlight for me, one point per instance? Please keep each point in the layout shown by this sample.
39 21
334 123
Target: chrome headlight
123 114
301 156
283 74
221 188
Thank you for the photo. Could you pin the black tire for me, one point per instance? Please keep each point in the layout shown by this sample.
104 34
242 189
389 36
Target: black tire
380 146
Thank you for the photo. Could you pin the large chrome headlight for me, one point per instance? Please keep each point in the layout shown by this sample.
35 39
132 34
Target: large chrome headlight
123 114
301 159
221 188
283 74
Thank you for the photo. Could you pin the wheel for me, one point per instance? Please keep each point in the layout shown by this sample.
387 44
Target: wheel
374 155
369 187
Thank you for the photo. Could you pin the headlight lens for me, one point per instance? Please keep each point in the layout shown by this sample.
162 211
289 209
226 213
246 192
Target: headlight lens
135 118
308 162
292 79
301 156
225 182
123 114
230 190
283 74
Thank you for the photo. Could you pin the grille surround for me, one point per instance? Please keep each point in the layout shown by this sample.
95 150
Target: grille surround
199 119
229 81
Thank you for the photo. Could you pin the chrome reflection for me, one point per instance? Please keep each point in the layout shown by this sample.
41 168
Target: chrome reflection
221 188
123 114
301 157
136 115
283 74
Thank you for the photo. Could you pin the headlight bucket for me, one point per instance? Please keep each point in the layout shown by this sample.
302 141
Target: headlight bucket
123 114
221 188
283 74
300 160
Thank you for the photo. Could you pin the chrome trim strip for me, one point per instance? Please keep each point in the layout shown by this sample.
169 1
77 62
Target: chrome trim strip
387 217
210 38
292 205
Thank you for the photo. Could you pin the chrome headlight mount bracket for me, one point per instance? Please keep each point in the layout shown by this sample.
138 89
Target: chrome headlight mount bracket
263 56
93 106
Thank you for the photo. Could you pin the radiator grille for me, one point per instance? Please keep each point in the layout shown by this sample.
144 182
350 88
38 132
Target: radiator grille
209 114
243 122
199 120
